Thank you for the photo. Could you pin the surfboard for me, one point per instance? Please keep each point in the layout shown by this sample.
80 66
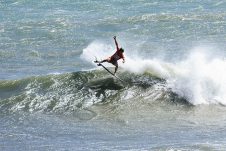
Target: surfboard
100 64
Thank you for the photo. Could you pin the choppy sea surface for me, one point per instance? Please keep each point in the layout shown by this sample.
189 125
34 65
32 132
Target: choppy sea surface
53 97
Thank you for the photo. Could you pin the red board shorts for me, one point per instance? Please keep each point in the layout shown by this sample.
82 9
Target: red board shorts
114 61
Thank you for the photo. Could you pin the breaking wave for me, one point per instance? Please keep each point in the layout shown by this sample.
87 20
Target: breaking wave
70 92
198 79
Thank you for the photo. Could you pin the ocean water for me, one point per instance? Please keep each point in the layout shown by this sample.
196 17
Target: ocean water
53 97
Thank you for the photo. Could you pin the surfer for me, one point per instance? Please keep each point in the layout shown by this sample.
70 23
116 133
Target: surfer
115 57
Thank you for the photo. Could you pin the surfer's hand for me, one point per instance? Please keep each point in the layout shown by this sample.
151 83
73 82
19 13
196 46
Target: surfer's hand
114 37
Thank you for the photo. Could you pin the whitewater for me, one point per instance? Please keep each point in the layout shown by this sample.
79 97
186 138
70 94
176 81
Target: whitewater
199 78
54 97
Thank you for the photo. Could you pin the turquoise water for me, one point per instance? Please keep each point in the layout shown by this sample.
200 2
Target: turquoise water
53 97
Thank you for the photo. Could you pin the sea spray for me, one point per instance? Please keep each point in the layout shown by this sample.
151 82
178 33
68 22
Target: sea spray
100 50
200 78
203 80
97 50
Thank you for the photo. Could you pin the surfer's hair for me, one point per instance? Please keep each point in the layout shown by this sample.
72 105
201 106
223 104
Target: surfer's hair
121 49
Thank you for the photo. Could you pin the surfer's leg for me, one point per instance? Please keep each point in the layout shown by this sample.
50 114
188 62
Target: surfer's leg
115 63
116 68
105 60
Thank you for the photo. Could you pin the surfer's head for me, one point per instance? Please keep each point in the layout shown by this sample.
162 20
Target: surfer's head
121 49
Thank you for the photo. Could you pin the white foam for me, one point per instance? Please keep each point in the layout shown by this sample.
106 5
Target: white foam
153 66
201 78
137 65
97 49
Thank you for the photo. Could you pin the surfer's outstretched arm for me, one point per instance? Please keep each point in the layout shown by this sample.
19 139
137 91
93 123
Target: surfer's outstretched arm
116 43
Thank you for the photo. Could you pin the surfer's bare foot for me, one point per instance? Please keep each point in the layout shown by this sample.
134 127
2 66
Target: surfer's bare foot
97 61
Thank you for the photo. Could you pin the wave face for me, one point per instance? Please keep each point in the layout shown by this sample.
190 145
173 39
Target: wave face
66 93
